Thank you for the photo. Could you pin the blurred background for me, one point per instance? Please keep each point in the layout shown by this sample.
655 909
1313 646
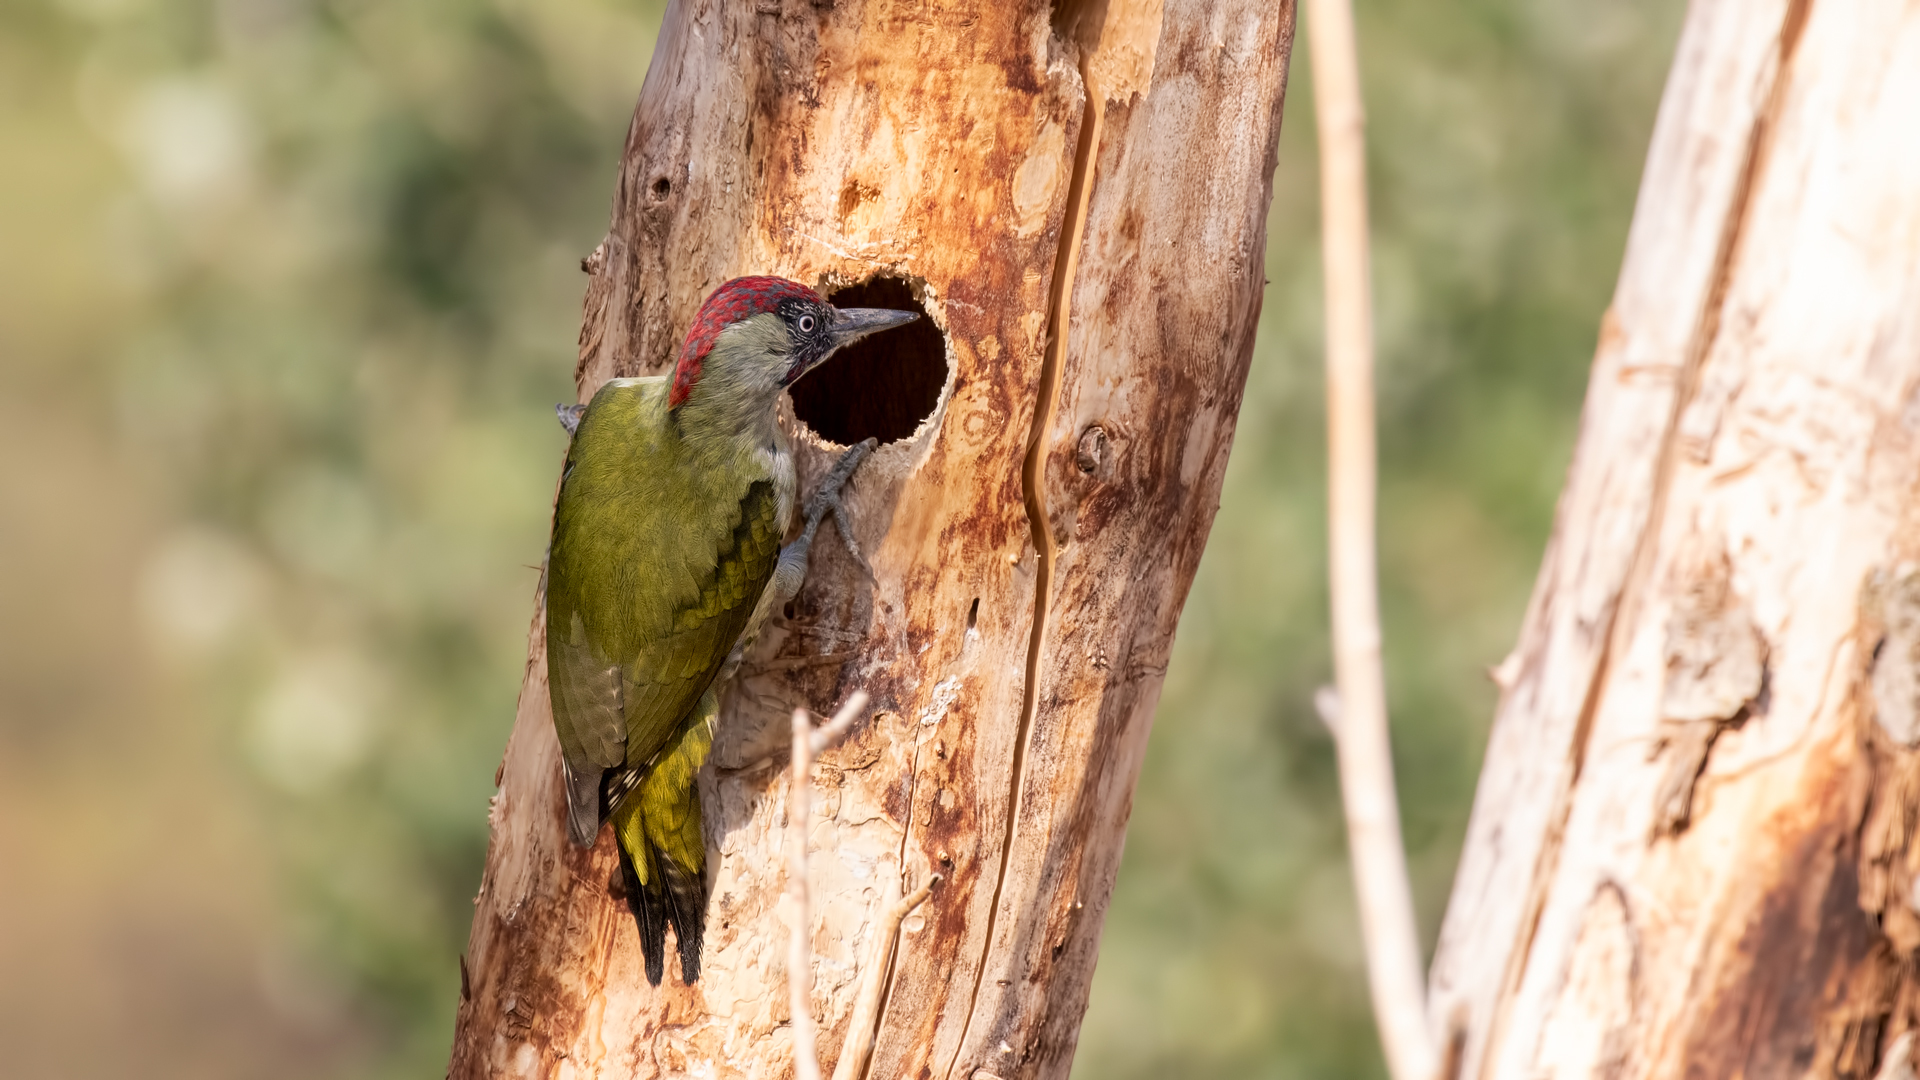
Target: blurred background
287 291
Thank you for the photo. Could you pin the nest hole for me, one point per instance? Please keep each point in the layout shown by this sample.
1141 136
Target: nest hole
881 387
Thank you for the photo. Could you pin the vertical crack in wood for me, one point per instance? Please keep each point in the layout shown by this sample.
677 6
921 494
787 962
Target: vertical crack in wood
1066 260
1619 620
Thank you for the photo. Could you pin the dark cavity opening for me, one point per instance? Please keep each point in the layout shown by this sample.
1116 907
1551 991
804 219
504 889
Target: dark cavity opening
880 387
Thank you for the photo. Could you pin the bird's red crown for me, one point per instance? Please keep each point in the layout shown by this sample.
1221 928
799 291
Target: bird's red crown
741 298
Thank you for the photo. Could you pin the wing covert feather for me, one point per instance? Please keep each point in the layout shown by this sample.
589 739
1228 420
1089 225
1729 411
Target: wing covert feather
669 673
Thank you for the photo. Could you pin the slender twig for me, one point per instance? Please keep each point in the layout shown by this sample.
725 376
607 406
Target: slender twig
806 743
1359 713
864 1027
836 729
865 1023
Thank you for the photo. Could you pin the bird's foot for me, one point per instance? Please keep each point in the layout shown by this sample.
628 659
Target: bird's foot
828 498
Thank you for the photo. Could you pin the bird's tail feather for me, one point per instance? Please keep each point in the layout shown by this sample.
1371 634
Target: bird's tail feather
648 915
663 855
685 897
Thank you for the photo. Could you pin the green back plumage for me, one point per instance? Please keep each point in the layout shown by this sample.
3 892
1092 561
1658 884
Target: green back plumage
660 552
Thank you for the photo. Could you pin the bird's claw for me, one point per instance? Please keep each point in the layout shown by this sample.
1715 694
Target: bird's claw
827 499
827 496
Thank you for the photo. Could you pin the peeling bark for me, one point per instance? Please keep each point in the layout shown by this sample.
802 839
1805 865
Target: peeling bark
1077 197
1692 851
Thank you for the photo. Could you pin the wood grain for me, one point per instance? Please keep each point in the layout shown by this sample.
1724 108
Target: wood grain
1689 850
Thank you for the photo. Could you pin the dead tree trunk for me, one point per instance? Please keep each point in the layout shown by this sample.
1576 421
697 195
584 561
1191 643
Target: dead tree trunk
1077 197
1692 852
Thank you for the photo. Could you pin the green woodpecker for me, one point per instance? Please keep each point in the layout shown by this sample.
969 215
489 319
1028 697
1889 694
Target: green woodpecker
665 557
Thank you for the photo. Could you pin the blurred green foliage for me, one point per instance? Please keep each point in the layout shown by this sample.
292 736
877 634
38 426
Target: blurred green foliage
287 288
328 296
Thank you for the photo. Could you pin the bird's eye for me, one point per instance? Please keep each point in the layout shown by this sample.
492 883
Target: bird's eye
806 324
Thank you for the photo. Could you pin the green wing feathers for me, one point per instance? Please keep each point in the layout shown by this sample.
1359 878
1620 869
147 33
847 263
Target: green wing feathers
670 671
654 571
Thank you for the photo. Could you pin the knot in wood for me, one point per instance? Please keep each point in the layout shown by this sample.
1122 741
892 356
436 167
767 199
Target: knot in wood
1893 601
595 261
1092 449
1716 658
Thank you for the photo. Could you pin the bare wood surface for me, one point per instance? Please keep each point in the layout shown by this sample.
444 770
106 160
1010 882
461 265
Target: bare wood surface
806 1054
1690 852
1031 544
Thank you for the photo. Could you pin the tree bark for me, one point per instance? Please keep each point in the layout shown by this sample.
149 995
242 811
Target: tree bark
1691 851
1077 196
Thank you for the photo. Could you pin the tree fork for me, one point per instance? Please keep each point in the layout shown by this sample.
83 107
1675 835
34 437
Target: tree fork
1096 293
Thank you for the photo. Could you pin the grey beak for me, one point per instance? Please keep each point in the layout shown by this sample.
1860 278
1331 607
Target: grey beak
856 323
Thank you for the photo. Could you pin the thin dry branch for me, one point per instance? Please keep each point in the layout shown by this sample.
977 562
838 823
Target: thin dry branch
864 1026
1358 715
808 742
